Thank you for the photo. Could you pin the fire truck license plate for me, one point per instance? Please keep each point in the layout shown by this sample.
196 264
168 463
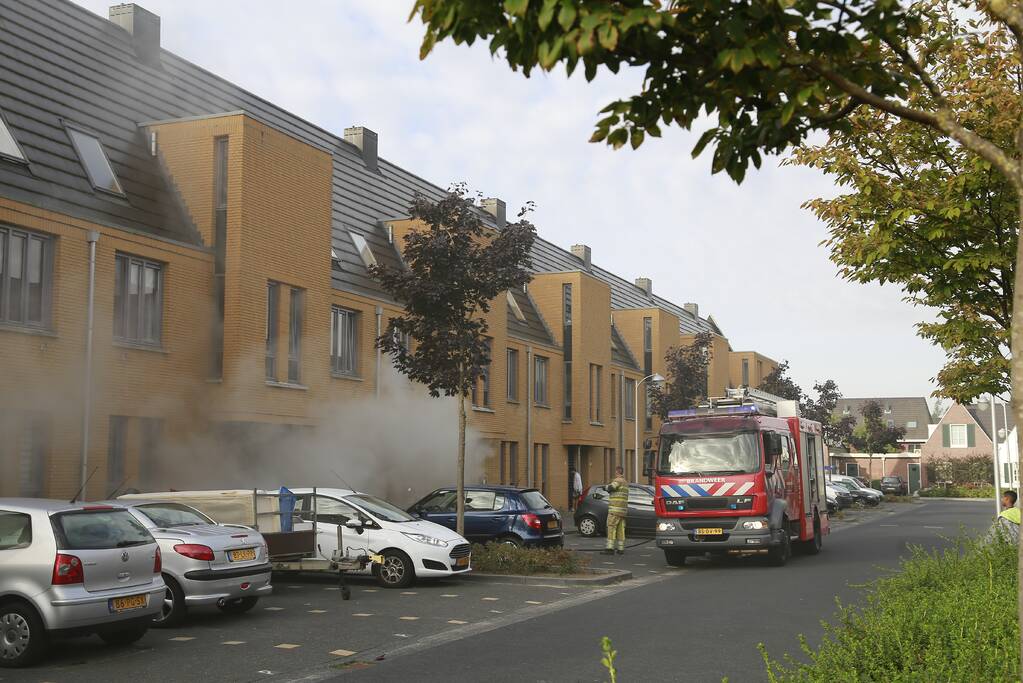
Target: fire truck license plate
709 532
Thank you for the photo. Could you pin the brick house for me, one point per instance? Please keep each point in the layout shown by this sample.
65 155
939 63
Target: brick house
966 430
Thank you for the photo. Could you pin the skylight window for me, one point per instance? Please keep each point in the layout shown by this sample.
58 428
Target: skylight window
514 306
8 145
364 251
335 259
95 161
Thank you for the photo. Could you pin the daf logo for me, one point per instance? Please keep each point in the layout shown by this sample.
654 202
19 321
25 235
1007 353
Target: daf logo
124 556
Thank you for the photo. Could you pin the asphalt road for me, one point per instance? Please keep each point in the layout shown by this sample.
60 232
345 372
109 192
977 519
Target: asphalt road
699 624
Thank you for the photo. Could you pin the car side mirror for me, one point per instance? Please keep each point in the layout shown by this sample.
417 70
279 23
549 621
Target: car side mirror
355 524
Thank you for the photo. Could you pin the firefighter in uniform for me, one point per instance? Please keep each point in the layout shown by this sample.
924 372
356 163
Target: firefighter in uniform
1008 520
618 507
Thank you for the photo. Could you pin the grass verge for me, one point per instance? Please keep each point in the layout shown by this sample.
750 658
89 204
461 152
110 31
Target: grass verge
498 558
947 615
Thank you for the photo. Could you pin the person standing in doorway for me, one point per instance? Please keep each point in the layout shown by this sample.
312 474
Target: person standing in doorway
617 509
577 489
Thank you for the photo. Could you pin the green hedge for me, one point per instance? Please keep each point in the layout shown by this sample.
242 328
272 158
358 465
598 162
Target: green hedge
949 615
958 492
499 558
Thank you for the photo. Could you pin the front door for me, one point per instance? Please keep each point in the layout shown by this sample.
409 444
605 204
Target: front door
914 477
440 508
332 513
852 469
641 516
485 516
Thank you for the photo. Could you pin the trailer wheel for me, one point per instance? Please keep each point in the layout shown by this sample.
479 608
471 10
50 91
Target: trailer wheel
780 554
675 558
813 546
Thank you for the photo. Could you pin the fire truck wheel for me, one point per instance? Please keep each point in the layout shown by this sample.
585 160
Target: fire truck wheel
780 554
676 558
813 546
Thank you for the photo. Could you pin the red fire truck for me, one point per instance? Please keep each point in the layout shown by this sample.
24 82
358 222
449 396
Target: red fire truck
740 475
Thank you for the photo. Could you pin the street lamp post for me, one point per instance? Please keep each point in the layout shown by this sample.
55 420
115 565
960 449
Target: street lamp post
654 379
994 447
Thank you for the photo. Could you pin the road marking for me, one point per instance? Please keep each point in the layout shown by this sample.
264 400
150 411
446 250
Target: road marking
294 586
317 611
533 602
491 599
456 621
409 593
335 588
362 614
369 590
287 646
181 639
496 611
233 642
409 618
639 564
342 653
401 635
449 595
652 571
934 527
889 525
609 563
273 609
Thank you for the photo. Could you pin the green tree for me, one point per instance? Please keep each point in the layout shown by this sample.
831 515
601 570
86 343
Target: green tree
779 383
455 267
837 429
686 384
875 435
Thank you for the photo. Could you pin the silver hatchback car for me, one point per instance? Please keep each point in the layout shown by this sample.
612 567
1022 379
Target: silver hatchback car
72 569
204 563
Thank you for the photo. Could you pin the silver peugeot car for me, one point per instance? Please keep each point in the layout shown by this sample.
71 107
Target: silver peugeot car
204 563
72 569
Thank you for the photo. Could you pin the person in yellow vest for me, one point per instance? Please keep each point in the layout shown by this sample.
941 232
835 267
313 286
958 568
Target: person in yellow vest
617 509
1007 522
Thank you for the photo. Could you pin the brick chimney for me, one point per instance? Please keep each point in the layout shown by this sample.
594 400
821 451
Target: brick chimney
496 208
692 308
583 253
144 27
646 284
366 141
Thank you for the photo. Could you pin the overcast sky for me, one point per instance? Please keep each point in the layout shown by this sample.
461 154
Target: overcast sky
747 254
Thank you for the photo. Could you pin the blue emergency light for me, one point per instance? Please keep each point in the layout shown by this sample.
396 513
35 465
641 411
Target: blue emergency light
747 409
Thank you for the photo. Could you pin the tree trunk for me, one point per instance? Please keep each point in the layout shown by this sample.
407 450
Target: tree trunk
1016 395
460 506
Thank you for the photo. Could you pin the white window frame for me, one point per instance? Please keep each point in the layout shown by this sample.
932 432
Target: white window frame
953 431
124 263
344 365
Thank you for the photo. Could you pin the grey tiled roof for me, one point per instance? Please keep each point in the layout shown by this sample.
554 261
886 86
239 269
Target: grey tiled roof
903 411
620 351
981 412
58 60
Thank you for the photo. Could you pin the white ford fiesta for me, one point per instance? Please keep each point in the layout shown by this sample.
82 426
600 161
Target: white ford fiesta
411 548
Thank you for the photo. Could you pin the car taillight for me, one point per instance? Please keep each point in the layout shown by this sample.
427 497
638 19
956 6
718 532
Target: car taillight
532 521
195 551
67 570
158 562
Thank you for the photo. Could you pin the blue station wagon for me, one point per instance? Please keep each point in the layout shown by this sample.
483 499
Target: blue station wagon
506 514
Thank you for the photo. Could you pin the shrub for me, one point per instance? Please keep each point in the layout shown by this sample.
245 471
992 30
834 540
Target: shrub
940 491
948 615
974 469
499 558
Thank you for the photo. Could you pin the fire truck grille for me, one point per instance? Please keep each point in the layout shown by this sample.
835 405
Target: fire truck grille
726 524
707 503
461 550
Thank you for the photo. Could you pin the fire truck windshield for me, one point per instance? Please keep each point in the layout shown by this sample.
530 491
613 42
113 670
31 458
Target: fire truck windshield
705 454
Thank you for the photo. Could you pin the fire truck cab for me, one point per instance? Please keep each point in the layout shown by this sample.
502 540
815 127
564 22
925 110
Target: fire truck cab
740 475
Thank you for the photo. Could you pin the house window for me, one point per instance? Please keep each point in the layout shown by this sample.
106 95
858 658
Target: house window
630 399
33 450
402 339
888 409
595 392
26 277
512 376
95 162
566 314
540 375
614 395
344 358
138 299
515 308
365 253
745 372
295 336
609 464
541 456
482 386
151 432
510 463
116 447
8 145
567 392
911 424
273 296
957 436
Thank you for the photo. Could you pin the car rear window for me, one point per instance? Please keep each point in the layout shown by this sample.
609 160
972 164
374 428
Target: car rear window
890 480
534 500
173 514
99 530
15 530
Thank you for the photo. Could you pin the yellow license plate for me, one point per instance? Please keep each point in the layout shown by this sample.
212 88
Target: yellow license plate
462 562
709 532
379 559
553 524
243 555
129 603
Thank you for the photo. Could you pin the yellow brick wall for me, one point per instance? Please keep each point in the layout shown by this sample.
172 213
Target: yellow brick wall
760 366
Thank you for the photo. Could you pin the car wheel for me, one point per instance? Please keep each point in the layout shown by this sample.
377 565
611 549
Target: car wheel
22 636
237 605
675 558
173 609
813 546
396 571
588 526
510 540
123 636
779 555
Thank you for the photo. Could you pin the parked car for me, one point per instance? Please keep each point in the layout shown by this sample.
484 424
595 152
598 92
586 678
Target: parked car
841 497
591 511
506 514
204 563
856 483
861 496
832 504
73 569
411 547
894 485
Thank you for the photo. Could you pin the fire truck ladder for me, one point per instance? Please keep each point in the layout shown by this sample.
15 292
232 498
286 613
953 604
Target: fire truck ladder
766 404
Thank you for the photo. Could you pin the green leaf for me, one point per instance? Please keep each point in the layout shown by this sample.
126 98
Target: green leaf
787 111
546 14
567 15
637 137
548 54
618 137
516 8
607 34
702 142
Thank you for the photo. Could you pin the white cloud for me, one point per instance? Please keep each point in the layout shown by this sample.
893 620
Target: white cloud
747 254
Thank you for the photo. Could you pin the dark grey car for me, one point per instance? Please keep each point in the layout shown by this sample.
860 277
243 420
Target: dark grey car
591 512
